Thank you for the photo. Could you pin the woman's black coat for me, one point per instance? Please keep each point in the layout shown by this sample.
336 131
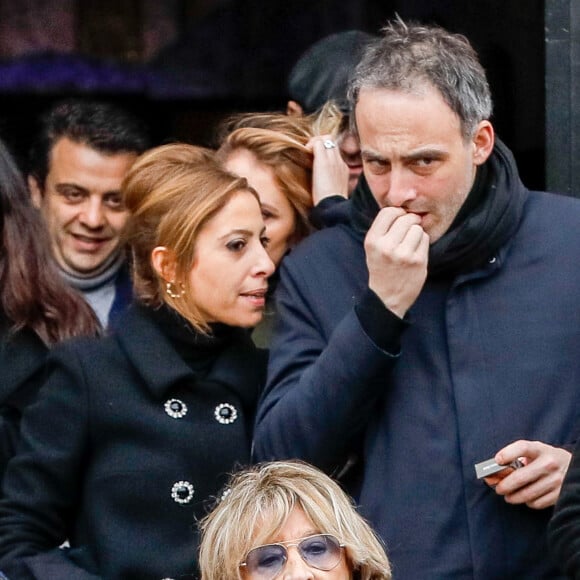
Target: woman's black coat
22 359
120 455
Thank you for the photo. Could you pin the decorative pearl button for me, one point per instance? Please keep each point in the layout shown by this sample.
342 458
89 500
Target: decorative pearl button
175 408
182 492
225 413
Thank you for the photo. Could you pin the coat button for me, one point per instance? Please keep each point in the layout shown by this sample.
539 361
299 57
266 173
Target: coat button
492 260
182 492
225 413
175 408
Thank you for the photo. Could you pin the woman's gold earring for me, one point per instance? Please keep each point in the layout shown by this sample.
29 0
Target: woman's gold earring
173 290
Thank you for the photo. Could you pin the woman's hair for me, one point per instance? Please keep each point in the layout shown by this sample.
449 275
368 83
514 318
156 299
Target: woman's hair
171 192
256 505
32 291
279 142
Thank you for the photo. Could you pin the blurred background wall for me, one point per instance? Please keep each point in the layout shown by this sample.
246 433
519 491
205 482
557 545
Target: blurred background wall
184 64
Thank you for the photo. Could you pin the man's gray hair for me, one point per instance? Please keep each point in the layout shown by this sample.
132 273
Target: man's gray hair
408 56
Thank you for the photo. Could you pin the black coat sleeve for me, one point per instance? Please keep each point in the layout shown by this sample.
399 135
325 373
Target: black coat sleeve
22 360
44 479
564 527
323 383
329 212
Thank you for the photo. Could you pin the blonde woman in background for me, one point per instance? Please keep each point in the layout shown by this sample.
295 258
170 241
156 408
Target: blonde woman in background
288 520
298 173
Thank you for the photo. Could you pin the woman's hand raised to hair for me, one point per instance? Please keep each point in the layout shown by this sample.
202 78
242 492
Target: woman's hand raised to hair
329 171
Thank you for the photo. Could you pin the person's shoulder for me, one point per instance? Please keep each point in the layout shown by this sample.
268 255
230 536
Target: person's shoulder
326 259
331 211
325 249
550 222
90 348
22 359
557 200
323 241
556 207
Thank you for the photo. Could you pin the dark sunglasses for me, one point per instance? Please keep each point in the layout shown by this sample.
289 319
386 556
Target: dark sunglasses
321 551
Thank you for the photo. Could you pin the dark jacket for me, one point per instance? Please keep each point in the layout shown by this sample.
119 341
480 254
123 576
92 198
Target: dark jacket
564 527
489 356
125 448
123 295
22 358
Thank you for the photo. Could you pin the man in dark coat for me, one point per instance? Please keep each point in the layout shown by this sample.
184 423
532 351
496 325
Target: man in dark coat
438 329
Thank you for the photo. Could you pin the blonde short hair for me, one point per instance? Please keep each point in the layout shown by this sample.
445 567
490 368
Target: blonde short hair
171 192
258 501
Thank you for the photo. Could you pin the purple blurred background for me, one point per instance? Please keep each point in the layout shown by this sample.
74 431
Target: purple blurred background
184 64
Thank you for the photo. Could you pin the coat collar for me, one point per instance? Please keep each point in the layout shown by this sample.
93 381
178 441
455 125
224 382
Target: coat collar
150 351
22 355
239 365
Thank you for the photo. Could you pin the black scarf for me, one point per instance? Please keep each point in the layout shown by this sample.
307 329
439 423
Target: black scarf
488 218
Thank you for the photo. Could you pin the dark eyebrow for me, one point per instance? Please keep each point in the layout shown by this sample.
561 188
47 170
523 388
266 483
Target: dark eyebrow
237 231
62 187
372 156
430 153
243 232
269 207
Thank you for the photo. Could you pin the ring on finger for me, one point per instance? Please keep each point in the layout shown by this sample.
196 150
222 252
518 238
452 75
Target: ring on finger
329 144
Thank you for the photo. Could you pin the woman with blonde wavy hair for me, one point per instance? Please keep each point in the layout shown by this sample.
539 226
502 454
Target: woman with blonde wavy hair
297 171
288 519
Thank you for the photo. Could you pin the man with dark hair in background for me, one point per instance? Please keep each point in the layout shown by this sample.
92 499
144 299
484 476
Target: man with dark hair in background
76 165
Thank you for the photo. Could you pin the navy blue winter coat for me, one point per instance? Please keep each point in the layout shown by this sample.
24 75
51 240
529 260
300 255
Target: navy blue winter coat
489 357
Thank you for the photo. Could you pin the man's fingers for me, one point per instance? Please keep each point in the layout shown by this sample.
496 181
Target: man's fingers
401 228
397 251
538 483
539 494
393 222
384 220
517 449
405 241
414 237
423 247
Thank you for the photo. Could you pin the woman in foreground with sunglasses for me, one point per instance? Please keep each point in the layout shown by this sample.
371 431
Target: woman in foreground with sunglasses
288 520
